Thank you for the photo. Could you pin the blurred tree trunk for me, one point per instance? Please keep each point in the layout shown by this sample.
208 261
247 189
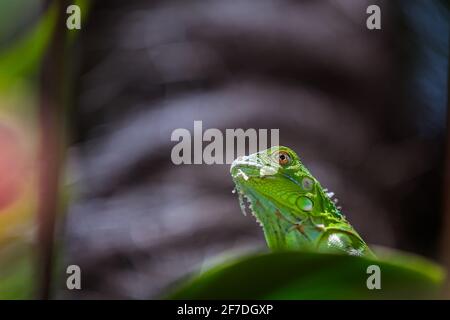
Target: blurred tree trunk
50 119
445 245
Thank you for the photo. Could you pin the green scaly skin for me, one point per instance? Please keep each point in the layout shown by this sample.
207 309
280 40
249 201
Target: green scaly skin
293 209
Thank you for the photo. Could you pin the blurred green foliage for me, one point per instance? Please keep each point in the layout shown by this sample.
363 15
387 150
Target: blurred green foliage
26 29
15 17
24 37
308 275
16 271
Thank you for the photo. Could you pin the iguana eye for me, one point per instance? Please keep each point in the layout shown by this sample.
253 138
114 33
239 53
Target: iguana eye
283 158
307 183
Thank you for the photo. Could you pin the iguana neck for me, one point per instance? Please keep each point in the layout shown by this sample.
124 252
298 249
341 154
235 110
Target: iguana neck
284 229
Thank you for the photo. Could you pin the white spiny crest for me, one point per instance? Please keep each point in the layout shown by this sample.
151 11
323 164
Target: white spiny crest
242 202
331 196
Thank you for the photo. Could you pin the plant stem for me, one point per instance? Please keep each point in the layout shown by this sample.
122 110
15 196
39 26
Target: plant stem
445 238
50 147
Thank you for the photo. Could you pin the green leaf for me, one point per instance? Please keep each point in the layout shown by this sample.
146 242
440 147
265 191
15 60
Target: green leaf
308 275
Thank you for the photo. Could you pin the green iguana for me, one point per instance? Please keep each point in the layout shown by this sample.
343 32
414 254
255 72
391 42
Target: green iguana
293 209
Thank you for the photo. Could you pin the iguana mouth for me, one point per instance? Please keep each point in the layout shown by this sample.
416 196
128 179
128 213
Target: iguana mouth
244 169
250 169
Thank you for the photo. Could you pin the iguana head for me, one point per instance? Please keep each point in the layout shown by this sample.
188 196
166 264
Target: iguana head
281 191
